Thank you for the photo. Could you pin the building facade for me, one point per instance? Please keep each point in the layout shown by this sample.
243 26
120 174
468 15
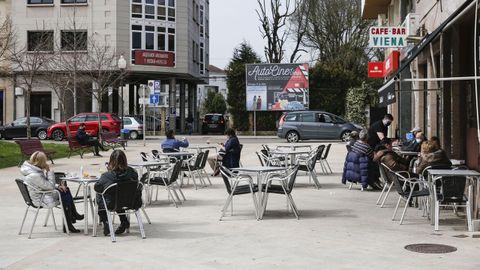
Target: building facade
436 84
163 40
217 82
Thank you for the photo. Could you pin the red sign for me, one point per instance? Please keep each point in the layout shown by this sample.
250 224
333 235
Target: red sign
391 63
154 58
375 70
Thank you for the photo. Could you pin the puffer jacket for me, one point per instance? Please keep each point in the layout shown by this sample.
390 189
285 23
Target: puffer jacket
392 160
112 177
36 177
438 157
356 169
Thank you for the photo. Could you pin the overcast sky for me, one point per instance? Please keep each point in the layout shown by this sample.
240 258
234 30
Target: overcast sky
231 22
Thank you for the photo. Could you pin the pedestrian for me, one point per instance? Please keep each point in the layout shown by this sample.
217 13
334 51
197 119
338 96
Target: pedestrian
379 130
86 139
190 125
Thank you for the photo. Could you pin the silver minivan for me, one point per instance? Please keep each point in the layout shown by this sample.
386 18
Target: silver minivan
319 125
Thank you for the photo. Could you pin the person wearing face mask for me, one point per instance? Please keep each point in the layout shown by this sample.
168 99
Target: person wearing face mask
415 145
378 130
431 155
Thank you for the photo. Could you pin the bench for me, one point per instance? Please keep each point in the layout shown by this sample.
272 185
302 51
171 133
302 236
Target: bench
75 146
110 139
30 146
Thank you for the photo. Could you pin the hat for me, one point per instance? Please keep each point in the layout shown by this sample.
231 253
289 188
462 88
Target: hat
416 129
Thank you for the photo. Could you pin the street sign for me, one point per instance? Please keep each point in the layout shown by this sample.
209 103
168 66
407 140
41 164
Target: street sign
173 111
156 86
154 99
143 101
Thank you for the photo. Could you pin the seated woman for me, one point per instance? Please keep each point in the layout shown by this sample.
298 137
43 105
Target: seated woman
118 171
359 166
431 155
229 154
37 173
384 154
170 144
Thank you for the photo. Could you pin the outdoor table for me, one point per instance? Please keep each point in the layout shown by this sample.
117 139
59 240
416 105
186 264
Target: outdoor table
259 171
292 147
85 182
457 162
147 165
201 147
434 174
408 153
292 153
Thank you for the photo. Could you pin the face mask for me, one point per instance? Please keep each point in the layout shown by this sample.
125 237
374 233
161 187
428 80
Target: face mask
418 140
386 123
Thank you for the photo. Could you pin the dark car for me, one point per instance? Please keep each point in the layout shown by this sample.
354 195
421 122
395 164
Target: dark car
213 122
305 125
18 128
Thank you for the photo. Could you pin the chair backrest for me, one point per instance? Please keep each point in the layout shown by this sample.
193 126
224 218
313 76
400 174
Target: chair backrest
144 178
144 156
24 191
327 151
384 174
453 187
266 148
169 150
265 152
204 160
396 182
155 153
312 160
176 171
126 195
292 178
58 176
198 160
260 158
424 173
30 145
226 175
349 147
320 150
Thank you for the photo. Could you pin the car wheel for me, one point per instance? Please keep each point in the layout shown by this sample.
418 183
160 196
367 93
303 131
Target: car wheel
133 135
292 136
58 135
345 137
42 134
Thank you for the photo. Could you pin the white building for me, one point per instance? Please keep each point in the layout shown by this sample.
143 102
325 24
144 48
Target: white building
217 82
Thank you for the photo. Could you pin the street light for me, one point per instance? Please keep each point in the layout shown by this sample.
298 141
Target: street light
122 65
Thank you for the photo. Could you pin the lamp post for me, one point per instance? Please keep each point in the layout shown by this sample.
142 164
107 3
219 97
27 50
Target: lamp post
122 65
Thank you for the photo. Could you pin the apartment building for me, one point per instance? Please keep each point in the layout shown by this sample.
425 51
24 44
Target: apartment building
435 86
163 40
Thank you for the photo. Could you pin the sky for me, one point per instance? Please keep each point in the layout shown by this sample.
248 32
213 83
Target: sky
231 22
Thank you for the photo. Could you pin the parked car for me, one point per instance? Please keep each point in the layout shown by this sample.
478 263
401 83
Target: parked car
18 128
213 122
134 126
150 121
110 123
306 125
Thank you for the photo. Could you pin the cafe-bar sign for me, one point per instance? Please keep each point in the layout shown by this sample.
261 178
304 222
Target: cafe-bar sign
154 58
387 37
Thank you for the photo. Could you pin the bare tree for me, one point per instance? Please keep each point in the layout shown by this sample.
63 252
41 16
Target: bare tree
29 61
6 39
275 28
100 67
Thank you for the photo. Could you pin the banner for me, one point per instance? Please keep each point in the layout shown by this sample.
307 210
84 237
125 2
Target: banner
154 58
387 37
277 87
375 70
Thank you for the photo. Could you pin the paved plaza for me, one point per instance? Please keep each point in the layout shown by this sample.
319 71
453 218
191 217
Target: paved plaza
338 228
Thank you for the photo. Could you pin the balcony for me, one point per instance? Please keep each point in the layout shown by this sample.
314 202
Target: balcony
372 8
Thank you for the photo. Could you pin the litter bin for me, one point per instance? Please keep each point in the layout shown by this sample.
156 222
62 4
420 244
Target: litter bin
125 133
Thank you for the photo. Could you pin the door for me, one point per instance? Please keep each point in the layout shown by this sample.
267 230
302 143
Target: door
328 128
91 124
41 104
309 127
35 122
75 122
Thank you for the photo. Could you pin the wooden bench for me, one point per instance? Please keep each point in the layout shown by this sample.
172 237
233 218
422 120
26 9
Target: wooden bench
111 139
30 146
75 146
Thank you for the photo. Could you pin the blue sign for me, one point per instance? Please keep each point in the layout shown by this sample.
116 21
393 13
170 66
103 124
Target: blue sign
154 99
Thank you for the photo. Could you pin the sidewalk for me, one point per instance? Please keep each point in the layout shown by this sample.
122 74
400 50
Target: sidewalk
338 229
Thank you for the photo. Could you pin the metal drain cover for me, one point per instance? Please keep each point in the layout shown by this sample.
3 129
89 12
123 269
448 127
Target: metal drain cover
430 248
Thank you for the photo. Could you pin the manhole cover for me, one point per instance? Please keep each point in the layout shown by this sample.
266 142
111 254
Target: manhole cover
430 248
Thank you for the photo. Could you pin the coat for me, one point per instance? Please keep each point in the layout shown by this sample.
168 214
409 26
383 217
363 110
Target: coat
35 177
356 169
392 160
438 157
112 177
231 159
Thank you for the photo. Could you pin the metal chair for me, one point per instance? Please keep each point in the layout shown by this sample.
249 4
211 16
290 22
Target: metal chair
388 184
192 165
232 181
285 186
201 169
126 198
308 165
168 179
326 166
23 187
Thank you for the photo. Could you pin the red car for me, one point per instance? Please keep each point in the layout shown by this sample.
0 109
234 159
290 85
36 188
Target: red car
110 123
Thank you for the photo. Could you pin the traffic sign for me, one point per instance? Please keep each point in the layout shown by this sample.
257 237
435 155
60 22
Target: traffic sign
143 101
154 99
156 86
173 110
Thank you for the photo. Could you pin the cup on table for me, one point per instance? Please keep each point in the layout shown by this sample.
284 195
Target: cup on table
208 141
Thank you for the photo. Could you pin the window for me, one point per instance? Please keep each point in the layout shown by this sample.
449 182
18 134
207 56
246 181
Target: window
137 36
171 40
92 117
149 9
34 2
19 122
161 42
78 119
162 13
171 3
137 10
74 1
324 118
291 117
308 117
149 37
127 121
74 40
40 41
171 14
35 120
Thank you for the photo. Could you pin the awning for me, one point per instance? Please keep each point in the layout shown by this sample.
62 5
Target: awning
418 48
387 93
372 8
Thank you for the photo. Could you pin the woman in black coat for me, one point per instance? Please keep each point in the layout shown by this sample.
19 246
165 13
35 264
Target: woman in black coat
232 148
118 171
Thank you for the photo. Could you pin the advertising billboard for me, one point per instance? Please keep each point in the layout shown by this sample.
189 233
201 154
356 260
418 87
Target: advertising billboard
277 87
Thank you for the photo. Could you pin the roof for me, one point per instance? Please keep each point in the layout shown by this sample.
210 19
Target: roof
215 69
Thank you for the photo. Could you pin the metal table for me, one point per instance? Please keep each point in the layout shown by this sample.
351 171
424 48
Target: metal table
292 153
434 174
204 147
85 182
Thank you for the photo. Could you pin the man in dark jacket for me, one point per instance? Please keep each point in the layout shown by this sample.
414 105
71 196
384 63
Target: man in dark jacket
118 171
378 130
84 139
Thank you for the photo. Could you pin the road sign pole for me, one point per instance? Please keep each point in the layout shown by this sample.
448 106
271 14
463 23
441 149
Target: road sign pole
255 122
144 104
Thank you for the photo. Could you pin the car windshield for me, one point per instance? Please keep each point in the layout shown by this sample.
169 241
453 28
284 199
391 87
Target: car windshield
213 118
115 117
138 120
